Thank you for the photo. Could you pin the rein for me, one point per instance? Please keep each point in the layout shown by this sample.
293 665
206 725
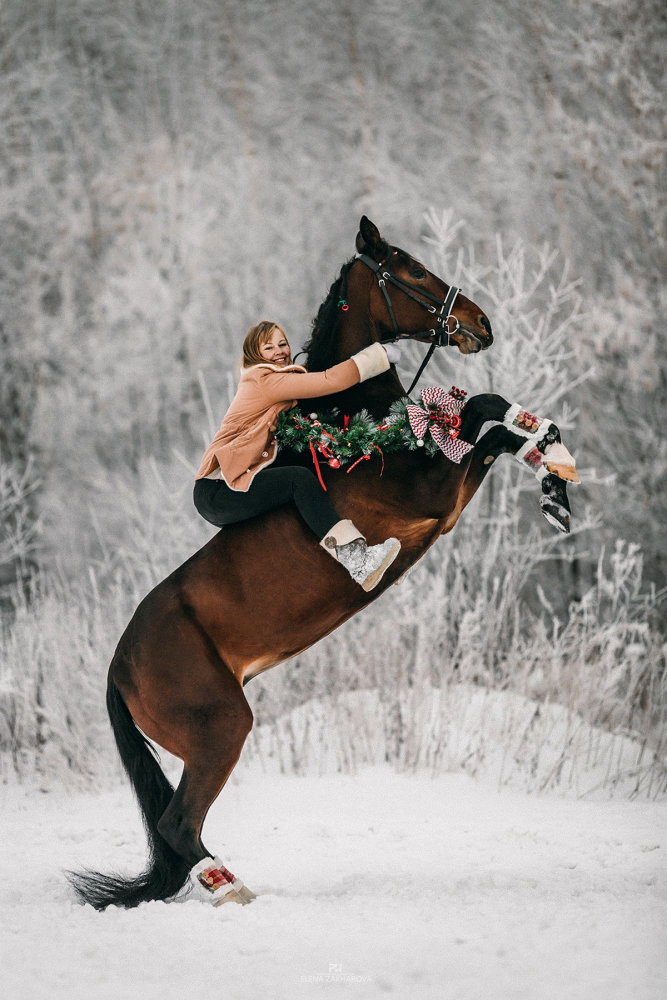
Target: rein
440 333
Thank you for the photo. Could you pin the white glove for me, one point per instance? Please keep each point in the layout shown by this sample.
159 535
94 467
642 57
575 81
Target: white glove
393 353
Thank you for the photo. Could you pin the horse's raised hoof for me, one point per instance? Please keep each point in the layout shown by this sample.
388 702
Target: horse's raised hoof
554 503
214 884
558 460
555 514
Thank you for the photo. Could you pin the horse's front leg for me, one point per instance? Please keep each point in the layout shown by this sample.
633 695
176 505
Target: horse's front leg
534 441
487 406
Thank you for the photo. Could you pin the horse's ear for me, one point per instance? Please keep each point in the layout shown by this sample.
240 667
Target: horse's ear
369 240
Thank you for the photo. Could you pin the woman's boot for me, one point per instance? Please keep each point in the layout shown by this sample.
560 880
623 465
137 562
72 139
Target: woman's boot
365 563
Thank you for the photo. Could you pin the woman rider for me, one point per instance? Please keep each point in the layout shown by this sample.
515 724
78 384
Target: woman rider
236 480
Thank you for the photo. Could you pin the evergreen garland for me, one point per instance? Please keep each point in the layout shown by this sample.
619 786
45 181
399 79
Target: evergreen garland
359 436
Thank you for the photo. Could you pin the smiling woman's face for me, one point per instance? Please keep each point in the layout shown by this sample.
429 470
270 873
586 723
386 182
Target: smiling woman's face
276 349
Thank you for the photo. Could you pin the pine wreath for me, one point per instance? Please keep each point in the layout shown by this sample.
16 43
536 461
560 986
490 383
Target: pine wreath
359 436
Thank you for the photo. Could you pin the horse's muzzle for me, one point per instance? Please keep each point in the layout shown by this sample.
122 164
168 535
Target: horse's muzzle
471 341
488 340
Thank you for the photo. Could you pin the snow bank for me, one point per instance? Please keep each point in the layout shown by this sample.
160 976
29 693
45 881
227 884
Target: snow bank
499 736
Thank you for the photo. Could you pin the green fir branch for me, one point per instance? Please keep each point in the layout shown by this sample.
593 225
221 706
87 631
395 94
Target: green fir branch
362 435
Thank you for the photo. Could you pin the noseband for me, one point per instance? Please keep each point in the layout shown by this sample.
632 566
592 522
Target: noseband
440 334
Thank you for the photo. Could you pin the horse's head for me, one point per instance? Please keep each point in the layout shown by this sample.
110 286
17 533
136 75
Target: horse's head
410 302
384 294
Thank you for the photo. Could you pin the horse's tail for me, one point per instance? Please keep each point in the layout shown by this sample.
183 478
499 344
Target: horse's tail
167 870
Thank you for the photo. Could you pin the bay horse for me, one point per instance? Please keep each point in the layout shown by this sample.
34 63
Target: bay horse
262 591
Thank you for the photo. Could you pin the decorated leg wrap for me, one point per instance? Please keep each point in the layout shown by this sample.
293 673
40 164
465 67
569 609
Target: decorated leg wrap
543 451
213 883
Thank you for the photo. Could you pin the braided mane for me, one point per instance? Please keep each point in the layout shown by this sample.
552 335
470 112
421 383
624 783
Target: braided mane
319 350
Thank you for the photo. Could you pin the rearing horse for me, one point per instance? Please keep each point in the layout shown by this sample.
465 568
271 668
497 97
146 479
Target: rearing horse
178 672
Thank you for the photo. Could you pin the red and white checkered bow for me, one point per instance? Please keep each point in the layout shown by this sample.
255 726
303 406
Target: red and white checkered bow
442 418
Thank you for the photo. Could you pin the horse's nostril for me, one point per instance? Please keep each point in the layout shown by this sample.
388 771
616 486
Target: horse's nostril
485 323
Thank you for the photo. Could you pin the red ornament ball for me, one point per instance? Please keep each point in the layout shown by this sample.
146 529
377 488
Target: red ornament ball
334 463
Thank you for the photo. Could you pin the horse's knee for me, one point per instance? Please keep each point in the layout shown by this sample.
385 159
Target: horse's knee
224 722
478 410
497 441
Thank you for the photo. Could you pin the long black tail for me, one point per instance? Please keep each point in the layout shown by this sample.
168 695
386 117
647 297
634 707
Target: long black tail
167 871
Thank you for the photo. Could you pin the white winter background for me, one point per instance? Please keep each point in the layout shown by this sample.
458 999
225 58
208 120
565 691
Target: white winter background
461 793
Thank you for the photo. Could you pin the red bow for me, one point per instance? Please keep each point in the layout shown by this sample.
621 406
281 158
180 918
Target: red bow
442 418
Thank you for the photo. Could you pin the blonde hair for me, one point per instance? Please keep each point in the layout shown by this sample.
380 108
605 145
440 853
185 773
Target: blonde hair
255 339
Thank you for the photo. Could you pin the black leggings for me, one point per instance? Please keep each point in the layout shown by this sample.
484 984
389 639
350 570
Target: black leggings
219 504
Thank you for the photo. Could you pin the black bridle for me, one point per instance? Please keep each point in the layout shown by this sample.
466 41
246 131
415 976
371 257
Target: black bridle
440 333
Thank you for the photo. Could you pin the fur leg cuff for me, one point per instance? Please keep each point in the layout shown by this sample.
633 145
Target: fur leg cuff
342 533
213 883
531 456
543 451
370 361
526 424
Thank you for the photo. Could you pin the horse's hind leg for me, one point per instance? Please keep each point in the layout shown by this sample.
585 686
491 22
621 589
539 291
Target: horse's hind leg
215 736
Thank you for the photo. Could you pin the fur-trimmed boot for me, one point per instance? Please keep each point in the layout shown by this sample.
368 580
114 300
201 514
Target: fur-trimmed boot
365 563
213 883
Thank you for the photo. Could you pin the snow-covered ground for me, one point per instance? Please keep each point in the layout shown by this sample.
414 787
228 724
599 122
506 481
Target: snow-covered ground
371 885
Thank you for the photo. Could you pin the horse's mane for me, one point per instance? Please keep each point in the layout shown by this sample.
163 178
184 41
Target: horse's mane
319 350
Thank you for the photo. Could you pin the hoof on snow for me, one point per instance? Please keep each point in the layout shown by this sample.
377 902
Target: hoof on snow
245 895
214 884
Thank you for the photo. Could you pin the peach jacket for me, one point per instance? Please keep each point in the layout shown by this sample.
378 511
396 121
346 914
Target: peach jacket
245 443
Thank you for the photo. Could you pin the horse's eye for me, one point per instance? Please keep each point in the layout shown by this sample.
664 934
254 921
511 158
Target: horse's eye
418 272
